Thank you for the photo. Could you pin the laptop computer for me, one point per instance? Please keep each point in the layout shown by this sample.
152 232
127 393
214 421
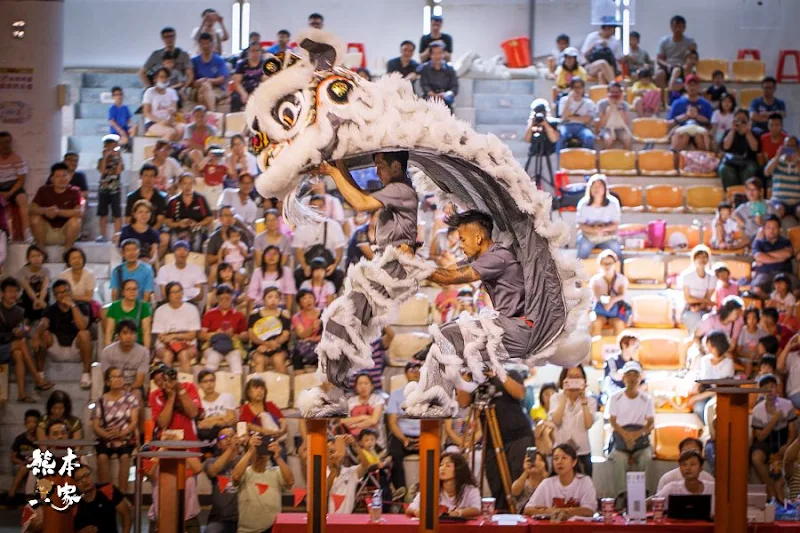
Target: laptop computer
689 507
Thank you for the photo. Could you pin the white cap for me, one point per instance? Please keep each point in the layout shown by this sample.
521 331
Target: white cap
632 366
571 51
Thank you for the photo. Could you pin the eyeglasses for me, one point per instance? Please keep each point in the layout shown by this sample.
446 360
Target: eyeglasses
208 380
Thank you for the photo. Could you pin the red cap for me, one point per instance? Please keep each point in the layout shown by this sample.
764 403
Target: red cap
692 78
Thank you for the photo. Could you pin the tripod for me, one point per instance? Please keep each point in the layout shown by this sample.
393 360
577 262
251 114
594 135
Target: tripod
538 154
471 424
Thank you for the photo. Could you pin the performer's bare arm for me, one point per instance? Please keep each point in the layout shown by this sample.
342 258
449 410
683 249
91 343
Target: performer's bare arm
454 276
358 199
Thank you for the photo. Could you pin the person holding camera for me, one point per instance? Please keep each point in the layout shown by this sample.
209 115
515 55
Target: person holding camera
260 486
572 413
541 122
224 514
534 471
577 112
784 169
175 405
740 161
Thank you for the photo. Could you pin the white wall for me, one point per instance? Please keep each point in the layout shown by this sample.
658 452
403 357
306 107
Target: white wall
481 25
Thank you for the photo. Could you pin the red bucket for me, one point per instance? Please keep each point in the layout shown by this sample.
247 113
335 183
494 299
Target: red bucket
518 52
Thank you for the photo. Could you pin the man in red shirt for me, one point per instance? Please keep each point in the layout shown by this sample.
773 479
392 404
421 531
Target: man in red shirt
174 405
57 209
772 141
223 331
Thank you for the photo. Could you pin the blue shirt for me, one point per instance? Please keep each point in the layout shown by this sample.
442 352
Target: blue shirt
215 68
276 48
763 245
143 275
680 106
121 115
410 428
758 105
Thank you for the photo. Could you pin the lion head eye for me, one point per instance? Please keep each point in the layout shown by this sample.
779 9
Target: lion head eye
287 111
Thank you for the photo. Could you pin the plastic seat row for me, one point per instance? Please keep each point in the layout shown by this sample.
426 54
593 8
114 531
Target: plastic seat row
618 162
740 70
668 198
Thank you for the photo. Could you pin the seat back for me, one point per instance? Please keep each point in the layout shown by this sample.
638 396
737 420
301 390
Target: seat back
603 345
646 270
630 196
675 266
398 381
617 161
657 162
598 92
578 160
748 70
794 238
416 311
279 387
748 95
303 382
663 198
703 198
651 129
660 353
733 190
235 123
230 383
652 311
706 68
666 439
405 345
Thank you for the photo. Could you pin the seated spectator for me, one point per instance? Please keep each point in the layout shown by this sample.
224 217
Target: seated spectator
534 471
457 490
577 113
632 415
567 493
673 49
59 408
740 162
698 284
177 80
322 289
788 364
258 508
133 360
100 503
271 274
34 280
437 78
598 217
226 220
115 423
763 106
722 119
647 95
612 368
13 341
219 408
169 170
614 118
362 240
21 448
196 134
691 470
784 169
772 141
176 325
129 307
751 214
637 57
307 329
774 428
436 36
160 109
572 412
63 332
188 214
773 255
725 229
223 330
241 161
211 74
174 405
226 275
140 230
725 287
213 25
234 251
331 208
13 170
715 364
748 339
282 43
403 432
568 68
132 268
365 409
727 318
446 247
717 89
148 192
404 63
270 330
224 514
608 287
190 276
689 444
246 77
119 118
182 61
602 50
324 240
770 323
56 210
782 298
690 115
261 415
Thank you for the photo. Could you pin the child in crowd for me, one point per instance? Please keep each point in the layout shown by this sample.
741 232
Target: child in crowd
568 69
638 58
714 93
782 298
226 275
612 371
214 172
119 117
725 287
557 56
23 444
307 328
109 197
368 442
35 281
725 228
747 343
176 80
322 289
647 95
715 364
722 118
270 329
233 251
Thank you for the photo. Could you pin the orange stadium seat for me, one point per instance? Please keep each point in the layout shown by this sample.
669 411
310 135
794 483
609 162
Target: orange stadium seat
598 92
660 353
748 95
652 311
706 68
666 439
618 162
650 130
739 269
748 70
695 174
630 197
645 272
599 344
657 163
675 266
732 191
578 160
663 199
794 237
681 238
703 198
590 267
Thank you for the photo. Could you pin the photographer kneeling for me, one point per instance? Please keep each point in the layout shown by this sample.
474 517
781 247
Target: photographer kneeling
542 134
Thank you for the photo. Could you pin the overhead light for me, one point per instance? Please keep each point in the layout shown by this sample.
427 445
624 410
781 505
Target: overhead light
18 29
437 11
426 20
236 28
245 25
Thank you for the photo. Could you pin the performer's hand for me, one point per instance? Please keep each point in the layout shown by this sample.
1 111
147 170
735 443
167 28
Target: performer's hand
330 270
489 373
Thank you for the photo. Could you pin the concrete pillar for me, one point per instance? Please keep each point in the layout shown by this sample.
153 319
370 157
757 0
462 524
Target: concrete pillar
30 111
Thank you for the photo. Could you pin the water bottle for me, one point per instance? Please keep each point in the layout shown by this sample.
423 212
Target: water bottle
376 507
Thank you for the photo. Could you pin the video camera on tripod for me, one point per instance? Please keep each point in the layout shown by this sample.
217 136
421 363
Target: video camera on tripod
541 147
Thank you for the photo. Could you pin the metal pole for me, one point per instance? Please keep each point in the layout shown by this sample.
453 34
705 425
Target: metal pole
137 494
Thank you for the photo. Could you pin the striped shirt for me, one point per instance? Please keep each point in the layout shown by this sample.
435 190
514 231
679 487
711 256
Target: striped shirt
786 182
11 167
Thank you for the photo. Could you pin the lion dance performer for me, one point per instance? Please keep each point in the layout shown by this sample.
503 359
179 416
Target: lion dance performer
308 111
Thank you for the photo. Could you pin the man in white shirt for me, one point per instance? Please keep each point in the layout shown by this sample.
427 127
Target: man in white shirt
686 445
324 240
691 482
632 415
190 276
240 202
333 206
604 71
342 480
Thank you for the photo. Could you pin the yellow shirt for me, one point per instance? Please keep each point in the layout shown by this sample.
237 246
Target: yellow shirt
564 77
371 456
538 413
639 86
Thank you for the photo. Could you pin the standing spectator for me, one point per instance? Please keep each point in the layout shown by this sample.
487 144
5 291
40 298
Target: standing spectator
577 113
698 284
139 229
740 162
282 43
270 330
129 307
63 332
58 408
569 68
763 106
751 214
259 507
598 218
175 405
110 168
789 366
182 61
566 494
219 409
772 254
533 473
13 171
307 328
119 118
132 268
56 210
457 490
689 444
435 36
324 240
130 357
188 214
403 432
223 330
224 514
167 167
189 275
22 446
672 50
317 21
784 169
437 78
100 504
614 118
176 325
213 25
691 116
637 58
241 161
365 409
240 201
160 108
572 412
632 415
262 416
211 74
771 142
404 63
715 364
774 428
115 422
246 77
34 280
609 287
601 50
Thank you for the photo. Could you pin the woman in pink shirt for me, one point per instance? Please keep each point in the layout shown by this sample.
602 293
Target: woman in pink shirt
728 318
272 274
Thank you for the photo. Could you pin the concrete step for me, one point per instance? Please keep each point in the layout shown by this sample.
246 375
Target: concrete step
506 132
504 87
91 95
101 271
502 101
84 110
96 254
502 116
91 126
107 80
